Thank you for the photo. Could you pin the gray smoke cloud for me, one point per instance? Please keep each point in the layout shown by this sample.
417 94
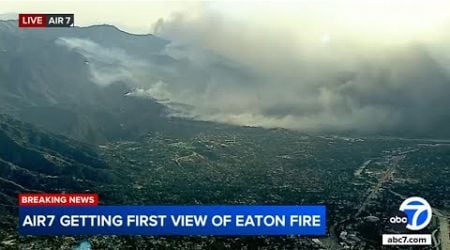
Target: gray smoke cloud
313 85
261 76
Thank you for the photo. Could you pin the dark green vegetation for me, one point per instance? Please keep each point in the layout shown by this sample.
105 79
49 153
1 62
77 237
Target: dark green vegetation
32 160
220 164
231 165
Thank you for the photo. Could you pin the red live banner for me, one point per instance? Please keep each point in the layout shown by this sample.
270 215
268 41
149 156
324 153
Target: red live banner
55 199
32 20
45 20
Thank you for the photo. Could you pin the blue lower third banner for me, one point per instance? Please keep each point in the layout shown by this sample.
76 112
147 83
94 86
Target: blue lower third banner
173 220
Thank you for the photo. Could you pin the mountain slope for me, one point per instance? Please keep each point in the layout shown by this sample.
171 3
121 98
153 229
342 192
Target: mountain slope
51 86
82 82
33 160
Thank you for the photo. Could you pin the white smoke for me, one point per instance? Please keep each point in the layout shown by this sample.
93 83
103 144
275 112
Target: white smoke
248 75
106 65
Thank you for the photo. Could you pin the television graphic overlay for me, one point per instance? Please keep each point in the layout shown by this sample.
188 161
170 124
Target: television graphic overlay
418 211
79 214
416 215
46 20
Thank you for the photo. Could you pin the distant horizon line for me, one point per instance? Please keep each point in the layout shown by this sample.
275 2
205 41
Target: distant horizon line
99 24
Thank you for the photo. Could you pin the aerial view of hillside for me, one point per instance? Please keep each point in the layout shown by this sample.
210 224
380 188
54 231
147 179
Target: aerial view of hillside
221 106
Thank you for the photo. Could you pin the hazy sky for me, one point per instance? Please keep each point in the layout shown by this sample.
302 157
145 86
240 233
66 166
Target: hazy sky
394 20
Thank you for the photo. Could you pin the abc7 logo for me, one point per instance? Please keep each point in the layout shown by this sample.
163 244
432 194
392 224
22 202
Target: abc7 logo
398 220
414 214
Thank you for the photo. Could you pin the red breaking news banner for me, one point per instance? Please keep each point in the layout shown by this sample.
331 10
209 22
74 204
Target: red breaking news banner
53 199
